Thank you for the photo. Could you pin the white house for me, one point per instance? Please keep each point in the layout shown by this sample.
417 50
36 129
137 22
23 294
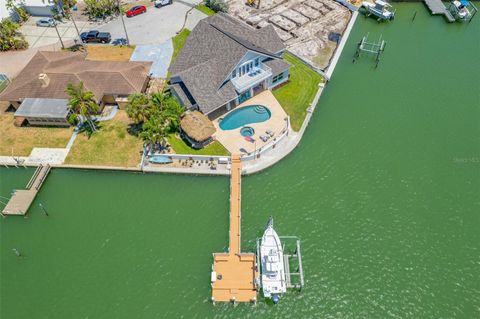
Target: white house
34 7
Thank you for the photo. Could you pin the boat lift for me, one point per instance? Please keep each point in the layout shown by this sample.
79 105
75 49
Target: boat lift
463 10
375 48
292 260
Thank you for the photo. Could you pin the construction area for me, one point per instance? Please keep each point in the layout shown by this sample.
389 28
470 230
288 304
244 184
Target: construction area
310 29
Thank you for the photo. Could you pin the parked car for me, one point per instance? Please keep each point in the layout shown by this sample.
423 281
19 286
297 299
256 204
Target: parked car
46 22
136 10
96 36
162 3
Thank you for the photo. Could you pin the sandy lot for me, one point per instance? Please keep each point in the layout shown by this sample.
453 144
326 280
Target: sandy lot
304 25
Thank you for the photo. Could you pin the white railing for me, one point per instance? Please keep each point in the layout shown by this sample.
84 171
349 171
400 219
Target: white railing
268 146
248 80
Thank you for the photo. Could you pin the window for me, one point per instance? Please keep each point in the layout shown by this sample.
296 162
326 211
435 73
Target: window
277 78
256 61
234 73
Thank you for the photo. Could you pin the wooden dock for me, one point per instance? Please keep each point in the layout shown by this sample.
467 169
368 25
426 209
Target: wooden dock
437 7
234 274
22 199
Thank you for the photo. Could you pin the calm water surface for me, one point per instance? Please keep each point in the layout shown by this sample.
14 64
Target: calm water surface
384 191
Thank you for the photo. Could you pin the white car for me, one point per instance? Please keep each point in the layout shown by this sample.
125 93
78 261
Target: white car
162 3
46 22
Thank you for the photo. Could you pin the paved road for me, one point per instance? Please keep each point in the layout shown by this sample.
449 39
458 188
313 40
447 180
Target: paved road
156 25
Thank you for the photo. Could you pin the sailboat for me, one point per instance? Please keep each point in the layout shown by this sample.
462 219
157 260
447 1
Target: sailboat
273 269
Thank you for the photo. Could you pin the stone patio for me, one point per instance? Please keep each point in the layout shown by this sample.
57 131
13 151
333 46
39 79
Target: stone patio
234 142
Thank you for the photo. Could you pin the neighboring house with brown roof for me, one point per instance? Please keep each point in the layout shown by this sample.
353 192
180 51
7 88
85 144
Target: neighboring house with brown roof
47 75
225 62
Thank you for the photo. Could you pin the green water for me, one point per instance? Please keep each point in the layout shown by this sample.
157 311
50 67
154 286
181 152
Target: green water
384 191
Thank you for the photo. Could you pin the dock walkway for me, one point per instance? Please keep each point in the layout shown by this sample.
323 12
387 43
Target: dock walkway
437 7
22 199
234 274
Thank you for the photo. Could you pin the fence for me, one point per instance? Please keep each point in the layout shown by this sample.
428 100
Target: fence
269 146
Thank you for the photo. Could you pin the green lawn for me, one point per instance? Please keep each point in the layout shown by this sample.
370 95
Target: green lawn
178 42
296 96
111 145
203 8
180 147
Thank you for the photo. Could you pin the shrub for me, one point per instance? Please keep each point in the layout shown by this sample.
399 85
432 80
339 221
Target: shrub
10 38
217 5
19 8
101 8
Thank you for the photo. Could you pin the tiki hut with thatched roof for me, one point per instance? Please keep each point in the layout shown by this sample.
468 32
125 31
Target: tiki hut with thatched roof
197 129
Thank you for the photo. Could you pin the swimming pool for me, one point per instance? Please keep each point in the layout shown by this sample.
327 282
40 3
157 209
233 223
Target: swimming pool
245 115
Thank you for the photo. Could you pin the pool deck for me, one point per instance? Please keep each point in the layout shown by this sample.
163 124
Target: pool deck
235 272
235 143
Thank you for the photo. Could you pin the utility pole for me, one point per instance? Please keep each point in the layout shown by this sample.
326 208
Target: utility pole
123 22
76 28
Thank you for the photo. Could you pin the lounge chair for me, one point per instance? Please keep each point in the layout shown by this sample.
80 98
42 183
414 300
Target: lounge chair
269 133
264 137
250 139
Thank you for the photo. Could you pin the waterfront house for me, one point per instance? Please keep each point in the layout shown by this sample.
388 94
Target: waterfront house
47 75
224 62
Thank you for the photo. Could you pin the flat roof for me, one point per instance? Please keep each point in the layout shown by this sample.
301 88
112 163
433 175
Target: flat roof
46 108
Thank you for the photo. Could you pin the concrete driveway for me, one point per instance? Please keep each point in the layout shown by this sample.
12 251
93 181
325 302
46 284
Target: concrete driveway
156 25
159 54
43 36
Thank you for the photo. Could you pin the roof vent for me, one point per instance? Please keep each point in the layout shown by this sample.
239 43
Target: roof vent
44 79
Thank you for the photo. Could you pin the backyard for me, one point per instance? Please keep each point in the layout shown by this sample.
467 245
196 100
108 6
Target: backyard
296 96
110 145
21 140
180 147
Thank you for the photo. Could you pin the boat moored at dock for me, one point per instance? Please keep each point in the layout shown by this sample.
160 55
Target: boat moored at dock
272 263
382 10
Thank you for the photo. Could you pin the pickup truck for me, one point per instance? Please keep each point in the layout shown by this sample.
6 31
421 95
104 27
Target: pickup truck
96 36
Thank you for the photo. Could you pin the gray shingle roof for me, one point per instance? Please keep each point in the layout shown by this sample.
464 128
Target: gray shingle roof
212 50
277 65
45 108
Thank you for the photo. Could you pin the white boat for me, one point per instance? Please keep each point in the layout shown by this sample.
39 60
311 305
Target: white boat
381 9
273 269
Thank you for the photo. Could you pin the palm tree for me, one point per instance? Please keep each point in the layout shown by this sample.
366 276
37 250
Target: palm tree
170 109
154 131
138 107
82 102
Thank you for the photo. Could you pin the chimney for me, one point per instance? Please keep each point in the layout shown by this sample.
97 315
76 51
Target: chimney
44 79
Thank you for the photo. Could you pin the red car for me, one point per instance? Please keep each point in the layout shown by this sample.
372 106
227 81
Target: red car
136 10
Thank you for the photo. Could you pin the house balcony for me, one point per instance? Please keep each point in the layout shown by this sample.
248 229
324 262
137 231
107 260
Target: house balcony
256 75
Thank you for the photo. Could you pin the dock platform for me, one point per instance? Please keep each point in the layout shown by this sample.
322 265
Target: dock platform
437 7
234 274
22 199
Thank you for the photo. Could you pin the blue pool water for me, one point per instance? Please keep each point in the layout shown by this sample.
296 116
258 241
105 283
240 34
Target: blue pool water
245 115
247 131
